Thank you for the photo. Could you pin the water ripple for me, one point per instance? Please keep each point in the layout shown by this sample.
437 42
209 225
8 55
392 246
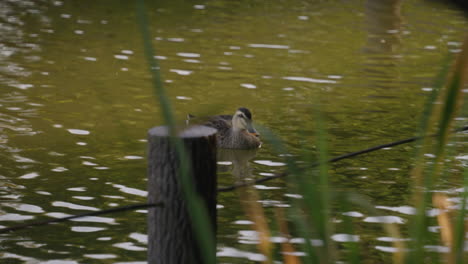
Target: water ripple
129 246
268 46
388 219
188 55
236 253
270 163
92 219
24 207
74 206
86 229
78 131
181 72
15 217
100 256
141 238
345 238
130 190
307 79
30 175
408 210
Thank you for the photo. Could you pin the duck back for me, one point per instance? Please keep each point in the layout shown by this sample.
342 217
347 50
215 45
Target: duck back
229 138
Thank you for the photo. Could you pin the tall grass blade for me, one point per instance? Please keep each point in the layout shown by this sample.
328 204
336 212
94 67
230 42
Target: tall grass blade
196 208
297 215
286 247
391 229
441 117
324 188
353 247
442 203
255 212
460 230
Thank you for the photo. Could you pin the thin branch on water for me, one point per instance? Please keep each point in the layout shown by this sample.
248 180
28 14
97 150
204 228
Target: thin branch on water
222 189
344 156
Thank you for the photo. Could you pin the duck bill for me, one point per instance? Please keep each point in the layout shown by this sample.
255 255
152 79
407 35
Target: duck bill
252 130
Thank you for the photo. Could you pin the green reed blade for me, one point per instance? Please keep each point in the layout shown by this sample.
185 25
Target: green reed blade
297 214
424 176
196 208
323 185
303 229
459 242
353 255
450 107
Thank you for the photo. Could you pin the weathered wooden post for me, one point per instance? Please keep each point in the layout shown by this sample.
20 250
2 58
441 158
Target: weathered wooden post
171 238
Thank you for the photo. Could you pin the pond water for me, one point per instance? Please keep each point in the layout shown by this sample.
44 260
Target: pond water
76 102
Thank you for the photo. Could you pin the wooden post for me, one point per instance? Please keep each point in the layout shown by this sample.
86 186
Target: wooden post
171 238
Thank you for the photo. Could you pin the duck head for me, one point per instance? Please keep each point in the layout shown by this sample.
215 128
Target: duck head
242 120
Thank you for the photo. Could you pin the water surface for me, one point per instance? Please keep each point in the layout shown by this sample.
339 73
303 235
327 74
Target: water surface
76 102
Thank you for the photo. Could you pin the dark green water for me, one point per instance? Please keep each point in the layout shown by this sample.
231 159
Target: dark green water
76 101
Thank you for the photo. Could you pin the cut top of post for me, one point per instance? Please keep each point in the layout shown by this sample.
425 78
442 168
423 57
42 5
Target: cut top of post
189 132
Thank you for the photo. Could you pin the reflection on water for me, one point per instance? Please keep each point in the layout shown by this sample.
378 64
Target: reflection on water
383 47
384 29
237 162
76 102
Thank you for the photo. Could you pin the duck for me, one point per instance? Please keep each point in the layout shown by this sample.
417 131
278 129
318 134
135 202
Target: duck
235 131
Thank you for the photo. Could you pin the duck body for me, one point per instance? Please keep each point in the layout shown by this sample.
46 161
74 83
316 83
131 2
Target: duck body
235 131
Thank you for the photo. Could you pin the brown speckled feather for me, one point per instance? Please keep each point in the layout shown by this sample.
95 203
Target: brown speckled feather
223 125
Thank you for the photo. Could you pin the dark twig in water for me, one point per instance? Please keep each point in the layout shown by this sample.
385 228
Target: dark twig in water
223 189
344 156
68 218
